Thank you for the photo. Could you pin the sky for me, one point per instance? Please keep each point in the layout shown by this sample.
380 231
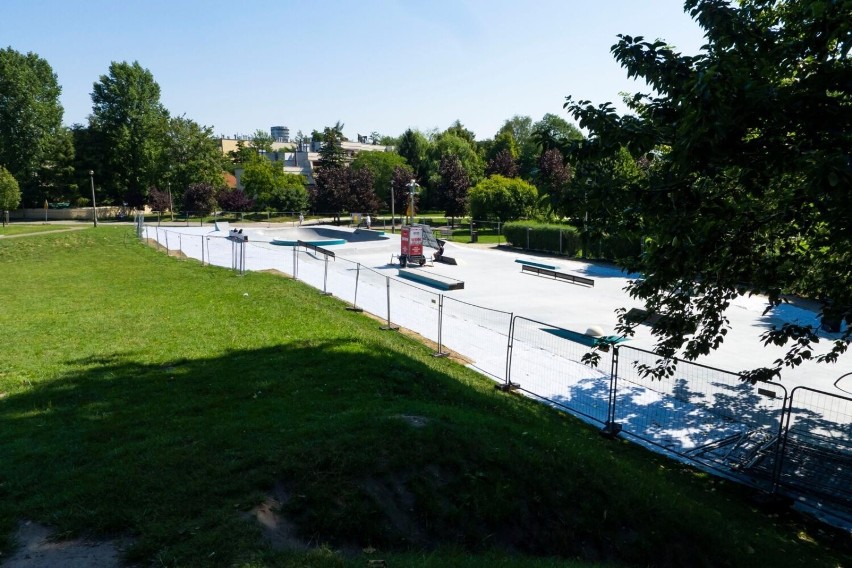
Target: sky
374 65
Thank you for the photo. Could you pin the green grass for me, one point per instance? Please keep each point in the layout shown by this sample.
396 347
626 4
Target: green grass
157 399
23 229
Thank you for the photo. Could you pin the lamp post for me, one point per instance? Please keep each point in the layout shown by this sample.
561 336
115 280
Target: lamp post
94 205
412 188
393 220
171 207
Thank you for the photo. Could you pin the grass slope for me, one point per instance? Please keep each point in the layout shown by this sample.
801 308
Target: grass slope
152 398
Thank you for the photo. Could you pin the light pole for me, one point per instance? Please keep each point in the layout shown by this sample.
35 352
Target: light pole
393 220
171 207
94 205
412 188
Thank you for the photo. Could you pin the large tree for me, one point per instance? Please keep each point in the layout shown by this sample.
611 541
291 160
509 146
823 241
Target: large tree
453 186
502 198
753 193
130 123
414 146
30 122
450 144
381 165
190 155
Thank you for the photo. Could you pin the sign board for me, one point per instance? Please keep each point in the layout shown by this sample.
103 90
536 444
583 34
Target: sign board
412 241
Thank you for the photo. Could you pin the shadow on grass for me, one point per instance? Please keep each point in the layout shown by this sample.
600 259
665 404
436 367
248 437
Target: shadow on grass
371 449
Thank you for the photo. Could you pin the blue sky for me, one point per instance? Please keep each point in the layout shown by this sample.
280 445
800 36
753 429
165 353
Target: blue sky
374 65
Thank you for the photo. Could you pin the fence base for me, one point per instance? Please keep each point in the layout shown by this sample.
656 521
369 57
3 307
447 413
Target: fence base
440 354
507 387
354 309
611 430
773 502
389 328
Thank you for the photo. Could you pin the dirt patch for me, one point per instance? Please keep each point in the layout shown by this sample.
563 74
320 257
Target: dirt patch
277 531
38 549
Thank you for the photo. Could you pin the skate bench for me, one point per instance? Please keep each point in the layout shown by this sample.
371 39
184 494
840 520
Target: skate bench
431 279
556 275
536 264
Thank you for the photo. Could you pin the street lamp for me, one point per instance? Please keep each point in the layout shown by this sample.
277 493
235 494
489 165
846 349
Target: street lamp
412 188
171 207
393 220
94 205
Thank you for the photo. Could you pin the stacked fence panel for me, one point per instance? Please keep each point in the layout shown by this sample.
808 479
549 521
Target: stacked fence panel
700 412
817 451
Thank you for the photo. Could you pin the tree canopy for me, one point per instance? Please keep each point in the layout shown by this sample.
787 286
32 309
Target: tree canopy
30 120
381 165
502 198
752 192
130 123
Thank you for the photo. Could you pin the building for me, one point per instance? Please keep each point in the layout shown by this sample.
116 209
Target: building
280 134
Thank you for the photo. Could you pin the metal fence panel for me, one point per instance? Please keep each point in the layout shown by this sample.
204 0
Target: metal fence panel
414 308
479 334
817 451
547 361
706 414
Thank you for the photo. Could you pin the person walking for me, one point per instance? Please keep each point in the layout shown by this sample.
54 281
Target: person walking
301 218
369 221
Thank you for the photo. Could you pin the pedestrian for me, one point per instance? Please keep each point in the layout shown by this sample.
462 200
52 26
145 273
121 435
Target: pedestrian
369 221
301 218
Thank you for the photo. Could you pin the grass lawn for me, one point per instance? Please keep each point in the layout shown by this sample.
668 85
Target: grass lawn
151 398
20 229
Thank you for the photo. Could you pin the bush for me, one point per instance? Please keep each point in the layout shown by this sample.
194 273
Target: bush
568 240
561 239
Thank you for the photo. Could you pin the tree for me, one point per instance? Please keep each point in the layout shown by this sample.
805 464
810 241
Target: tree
30 121
381 165
552 178
752 195
459 130
262 141
158 200
234 200
332 153
332 190
502 164
131 123
449 144
10 193
502 198
243 154
199 199
554 132
190 155
452 187
362 197
413 146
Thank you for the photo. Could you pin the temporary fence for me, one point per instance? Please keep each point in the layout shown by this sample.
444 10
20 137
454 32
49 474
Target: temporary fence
798 443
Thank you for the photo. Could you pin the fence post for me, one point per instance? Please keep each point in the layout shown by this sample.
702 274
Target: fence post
388 327
528 238
167 243
509 385
325 292
202 250
354 307
440 352
560 241
612 428
295 262
781 446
